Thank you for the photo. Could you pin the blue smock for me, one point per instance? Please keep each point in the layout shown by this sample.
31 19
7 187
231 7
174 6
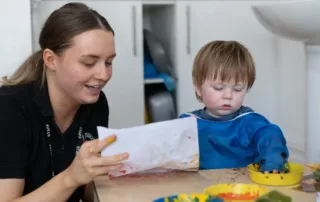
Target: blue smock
239 139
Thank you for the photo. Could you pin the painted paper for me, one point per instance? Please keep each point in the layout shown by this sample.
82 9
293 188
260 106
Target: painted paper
155 147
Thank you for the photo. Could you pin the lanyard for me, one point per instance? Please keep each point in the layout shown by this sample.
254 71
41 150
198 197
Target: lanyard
81 139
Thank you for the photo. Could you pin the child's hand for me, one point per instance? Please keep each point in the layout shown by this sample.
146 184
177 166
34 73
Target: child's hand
274 171
285 169
276 164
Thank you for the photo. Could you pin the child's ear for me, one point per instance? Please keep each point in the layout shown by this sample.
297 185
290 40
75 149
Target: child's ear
197 88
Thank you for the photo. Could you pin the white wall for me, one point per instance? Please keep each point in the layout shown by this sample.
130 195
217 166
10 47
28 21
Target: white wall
15 35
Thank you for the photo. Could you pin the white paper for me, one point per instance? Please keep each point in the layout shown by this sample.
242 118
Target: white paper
155 147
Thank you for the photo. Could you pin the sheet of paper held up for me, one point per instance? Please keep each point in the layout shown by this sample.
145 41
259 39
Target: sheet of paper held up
155 147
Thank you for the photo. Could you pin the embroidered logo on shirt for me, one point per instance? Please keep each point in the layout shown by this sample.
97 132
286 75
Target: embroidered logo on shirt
88 136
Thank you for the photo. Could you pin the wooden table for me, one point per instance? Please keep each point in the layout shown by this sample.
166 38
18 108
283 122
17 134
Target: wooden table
149 187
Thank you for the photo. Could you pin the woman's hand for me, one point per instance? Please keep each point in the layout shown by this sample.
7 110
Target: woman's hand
88 163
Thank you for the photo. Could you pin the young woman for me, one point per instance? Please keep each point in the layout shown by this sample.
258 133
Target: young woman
50 108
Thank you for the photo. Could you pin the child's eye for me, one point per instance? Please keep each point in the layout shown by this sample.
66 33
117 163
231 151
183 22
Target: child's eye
238 89
218 88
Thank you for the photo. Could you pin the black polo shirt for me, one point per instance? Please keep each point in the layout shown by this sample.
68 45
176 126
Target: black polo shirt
24 148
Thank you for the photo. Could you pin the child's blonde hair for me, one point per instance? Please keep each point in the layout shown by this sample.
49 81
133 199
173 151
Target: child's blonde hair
225 60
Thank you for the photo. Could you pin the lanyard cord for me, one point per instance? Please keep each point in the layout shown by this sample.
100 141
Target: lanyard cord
80 138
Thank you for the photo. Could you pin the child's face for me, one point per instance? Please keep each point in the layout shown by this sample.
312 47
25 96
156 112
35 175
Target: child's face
222 98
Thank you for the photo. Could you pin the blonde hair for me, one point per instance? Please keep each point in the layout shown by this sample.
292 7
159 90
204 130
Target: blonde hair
57 33
225 60
31 70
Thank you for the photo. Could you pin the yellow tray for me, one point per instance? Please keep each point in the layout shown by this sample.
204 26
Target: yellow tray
251 192
279 179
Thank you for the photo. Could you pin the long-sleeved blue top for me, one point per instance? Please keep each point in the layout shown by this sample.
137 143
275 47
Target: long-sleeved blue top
239 139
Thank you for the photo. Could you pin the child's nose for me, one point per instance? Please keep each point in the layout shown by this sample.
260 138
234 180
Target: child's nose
227 94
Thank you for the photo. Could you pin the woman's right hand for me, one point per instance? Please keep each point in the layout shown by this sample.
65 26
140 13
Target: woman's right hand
88 163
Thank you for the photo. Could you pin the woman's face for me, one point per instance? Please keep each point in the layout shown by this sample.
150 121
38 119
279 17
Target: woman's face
86 66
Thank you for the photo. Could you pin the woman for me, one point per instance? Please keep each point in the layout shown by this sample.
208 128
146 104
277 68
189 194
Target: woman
51 105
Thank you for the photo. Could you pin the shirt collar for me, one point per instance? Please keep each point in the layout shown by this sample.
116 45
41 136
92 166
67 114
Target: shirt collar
42 100
205 115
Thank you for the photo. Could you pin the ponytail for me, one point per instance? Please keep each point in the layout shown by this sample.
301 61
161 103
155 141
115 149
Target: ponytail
31 70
